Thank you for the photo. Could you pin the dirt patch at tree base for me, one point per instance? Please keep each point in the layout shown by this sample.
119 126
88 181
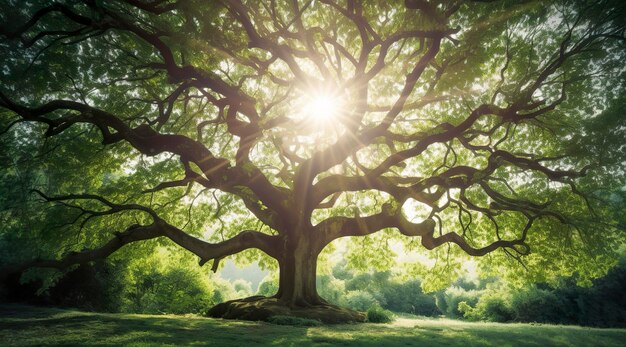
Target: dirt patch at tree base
260 308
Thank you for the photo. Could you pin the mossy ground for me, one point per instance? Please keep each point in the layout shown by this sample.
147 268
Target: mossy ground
35 326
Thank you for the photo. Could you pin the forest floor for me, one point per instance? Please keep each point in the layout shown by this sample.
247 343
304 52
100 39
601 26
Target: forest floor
36 326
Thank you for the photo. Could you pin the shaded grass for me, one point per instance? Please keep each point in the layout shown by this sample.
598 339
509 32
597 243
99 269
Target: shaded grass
35 326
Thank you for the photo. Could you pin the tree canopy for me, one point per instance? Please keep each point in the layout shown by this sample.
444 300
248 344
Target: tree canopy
482 128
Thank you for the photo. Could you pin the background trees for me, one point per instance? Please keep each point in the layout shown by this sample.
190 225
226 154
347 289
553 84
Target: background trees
480 129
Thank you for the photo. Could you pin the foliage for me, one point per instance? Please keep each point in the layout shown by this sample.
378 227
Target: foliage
376 314
105 286
601 304
492 129
166 282
332 289
91 287
384 288
408 297
533 304
268 286
371 282
493 305
242 287
295 321
453 296
360 300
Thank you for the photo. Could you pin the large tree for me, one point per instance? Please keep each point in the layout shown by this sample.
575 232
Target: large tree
483 127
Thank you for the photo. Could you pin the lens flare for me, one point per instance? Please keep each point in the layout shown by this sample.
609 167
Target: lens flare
323 107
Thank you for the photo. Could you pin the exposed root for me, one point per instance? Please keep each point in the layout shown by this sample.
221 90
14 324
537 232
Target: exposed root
260 308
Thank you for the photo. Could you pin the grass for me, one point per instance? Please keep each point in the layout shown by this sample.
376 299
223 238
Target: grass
36 326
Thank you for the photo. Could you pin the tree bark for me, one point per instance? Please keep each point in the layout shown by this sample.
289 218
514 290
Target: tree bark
298 270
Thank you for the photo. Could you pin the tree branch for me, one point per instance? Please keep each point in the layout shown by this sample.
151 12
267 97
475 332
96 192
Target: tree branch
133 233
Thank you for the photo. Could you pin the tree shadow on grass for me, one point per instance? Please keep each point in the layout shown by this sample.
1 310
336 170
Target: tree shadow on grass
29 327
32 327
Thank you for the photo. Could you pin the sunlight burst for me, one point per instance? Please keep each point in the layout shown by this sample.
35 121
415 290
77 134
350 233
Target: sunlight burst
321 107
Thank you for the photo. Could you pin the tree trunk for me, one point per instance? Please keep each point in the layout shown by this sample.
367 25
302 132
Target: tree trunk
298 269
297 292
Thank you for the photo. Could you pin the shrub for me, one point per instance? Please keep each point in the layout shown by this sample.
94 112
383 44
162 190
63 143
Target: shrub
425 305
95 286
268 286
372 283
537 305
468 311
167 281
360 281
492 306
170 290
242 287
408 297
376 314
296 321
331 289
604 304
495 309
454 295
440 301
360 300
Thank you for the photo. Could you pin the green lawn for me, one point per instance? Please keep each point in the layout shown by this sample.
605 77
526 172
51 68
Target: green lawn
34 326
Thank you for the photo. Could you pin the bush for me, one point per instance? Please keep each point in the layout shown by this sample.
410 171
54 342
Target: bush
376 314
296 321
537 305
408 297
171 290
93 287
604 304
372 283
167 282
242 287
453 296
331 289
440 301
425 305
360 300
268 286
492 306
495 309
